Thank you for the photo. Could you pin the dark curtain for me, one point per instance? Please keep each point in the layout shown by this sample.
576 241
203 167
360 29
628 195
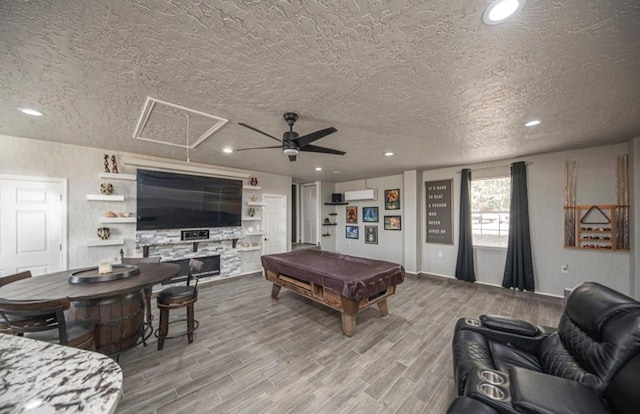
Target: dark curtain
518 271
464 265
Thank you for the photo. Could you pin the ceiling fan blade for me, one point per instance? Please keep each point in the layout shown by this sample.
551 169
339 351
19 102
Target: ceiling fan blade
292 158
258 131
315 148
305 140
246 149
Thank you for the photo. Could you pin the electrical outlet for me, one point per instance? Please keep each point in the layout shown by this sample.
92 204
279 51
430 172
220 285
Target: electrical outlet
439 255
564 268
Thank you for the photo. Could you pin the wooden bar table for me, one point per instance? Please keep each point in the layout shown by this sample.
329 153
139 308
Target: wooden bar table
115 306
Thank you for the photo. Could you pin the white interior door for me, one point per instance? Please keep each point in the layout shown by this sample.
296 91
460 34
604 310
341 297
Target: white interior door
309 204
274 221
31 225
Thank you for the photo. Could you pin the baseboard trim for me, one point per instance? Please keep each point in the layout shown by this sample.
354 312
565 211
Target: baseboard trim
487 287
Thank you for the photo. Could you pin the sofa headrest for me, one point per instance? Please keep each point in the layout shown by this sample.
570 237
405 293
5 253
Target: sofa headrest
591 304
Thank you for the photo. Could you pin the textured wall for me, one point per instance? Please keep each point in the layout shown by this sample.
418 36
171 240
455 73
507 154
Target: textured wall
390 242
596 185
82 166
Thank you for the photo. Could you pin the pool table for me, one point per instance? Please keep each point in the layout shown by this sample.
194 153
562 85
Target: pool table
345 283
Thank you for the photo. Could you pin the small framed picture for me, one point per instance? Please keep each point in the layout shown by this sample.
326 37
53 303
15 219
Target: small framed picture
393 222
370 214
352 214
351 232
371 234
392 199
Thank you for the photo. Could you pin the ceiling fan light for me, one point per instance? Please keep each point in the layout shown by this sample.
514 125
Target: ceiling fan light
290 151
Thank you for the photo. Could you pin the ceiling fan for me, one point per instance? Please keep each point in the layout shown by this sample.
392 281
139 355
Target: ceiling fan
292 143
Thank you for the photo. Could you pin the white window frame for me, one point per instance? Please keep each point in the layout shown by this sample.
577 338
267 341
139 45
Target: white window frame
486 222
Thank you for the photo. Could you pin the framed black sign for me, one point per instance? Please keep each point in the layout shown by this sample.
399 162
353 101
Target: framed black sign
439 211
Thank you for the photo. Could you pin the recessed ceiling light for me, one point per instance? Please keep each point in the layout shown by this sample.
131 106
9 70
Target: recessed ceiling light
500 10
31 112
388 154
227 150
533 122
337 172
318 168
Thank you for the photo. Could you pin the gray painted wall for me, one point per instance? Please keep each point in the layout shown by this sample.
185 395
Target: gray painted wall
82 166
596 184
390 243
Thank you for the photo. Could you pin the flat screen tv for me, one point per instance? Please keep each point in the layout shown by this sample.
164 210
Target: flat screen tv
180 201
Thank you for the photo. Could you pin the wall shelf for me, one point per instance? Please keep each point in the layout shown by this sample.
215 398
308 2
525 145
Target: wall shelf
249 249
251 219
329 224
102 197
255 203
254 234
118 176
252 187
108 242
118 220
343 203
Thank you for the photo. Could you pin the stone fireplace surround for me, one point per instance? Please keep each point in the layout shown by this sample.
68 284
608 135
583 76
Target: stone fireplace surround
219 252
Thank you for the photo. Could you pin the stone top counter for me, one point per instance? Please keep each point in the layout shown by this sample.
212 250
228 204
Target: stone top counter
39 377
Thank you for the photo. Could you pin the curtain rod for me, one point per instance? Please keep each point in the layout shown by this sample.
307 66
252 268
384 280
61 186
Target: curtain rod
492 167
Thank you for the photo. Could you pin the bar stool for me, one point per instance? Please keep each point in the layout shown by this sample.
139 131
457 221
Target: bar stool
179 297
147 329
5 280
44 320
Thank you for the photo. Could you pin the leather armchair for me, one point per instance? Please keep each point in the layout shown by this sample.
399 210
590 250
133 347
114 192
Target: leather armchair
586 365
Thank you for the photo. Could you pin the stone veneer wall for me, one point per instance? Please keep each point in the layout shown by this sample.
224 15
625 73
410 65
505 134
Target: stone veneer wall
167 245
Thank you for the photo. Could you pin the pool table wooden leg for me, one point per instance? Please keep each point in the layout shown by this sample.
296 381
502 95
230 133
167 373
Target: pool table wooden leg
348 316
384 309
274 291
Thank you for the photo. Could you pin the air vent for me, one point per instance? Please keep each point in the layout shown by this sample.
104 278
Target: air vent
167 123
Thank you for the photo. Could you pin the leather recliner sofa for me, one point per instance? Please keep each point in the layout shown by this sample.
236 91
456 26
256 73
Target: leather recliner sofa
589 364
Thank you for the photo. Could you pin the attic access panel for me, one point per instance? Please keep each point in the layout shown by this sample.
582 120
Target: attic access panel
166 123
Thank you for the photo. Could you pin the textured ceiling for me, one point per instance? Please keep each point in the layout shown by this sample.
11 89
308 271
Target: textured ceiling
426 80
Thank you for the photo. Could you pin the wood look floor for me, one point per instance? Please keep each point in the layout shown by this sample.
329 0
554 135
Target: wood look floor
255 355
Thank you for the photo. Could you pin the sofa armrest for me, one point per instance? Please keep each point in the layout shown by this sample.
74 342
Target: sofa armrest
536 392
510 325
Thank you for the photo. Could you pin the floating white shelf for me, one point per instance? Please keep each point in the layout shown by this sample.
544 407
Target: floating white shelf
253 234
102 197
255 203
117 220
113 176
252 187
108 242
249 249
251 219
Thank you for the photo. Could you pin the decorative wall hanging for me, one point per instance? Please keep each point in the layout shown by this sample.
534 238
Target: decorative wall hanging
253 181
371 234
393 222
439 211
370 214
352 214
622 201
392 199
351 232
570 172
106 163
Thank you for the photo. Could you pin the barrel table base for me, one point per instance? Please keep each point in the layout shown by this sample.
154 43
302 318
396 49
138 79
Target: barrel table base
119 320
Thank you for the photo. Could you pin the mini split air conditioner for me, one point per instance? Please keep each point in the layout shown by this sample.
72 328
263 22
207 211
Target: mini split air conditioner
368 194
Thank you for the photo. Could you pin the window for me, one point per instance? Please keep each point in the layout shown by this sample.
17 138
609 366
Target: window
490 199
